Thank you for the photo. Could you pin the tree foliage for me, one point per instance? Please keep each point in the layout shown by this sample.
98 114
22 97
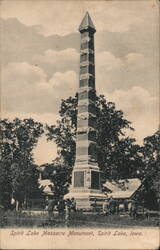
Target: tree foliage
59 175
64 132
151 150
115 150
18 138
151 169
118 154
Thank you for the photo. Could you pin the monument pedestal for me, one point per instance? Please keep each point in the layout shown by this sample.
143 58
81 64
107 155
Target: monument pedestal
86 199
85 188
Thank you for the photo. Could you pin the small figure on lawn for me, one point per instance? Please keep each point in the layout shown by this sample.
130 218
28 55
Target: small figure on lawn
13 203
68 212
112 205
94 205
133 210
117 206
106 207
51 205
125 205
73 205
61 207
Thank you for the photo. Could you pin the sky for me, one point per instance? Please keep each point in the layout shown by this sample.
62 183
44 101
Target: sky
40 60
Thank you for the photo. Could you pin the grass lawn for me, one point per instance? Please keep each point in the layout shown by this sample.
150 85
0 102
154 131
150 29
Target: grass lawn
95 220
91 220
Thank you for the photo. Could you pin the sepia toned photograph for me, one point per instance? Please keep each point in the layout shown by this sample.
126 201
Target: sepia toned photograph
79 127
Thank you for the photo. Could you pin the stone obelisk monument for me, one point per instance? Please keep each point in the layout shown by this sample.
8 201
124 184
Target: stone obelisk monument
86 186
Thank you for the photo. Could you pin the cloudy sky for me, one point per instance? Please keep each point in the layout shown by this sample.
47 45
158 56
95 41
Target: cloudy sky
40 60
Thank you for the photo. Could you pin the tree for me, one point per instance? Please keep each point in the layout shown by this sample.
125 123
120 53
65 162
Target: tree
61 177
5 185
124 160
151 170
46 170
58 174
114 148
151 150
18 138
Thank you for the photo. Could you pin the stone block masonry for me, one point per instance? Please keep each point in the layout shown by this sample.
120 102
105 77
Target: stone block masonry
86 186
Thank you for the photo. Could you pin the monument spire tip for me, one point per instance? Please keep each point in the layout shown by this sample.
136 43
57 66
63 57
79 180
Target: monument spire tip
87 23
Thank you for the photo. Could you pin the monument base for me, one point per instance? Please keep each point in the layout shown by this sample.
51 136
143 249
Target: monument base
85 200
86 188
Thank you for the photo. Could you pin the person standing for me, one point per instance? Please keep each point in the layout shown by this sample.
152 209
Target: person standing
129 205
68 212
106 207
13 204
73 205
112 206
94 205
61 207
133 211
125 205
117 206
51 205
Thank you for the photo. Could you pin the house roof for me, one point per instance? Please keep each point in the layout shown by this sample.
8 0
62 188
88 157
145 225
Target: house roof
122 188
46 186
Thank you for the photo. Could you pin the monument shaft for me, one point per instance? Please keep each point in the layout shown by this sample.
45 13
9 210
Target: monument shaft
86 175
86 120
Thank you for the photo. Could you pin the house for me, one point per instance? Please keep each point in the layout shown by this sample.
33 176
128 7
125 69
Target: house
122 189
46 186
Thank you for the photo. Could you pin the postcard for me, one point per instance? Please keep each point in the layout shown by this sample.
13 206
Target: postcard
80 125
